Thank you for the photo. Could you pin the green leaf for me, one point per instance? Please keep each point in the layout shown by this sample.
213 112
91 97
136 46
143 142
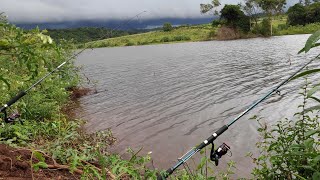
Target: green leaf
4 43
312 132
317 107
312 91
5 81
39 165
312 108
312 41
303 49
316 159
308 143
305 73
308 167
39 156
202 163
316 176
314 98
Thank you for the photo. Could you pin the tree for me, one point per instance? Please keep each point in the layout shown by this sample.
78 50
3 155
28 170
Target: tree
251 8
313 13
271 7
231 14
167 27
234 17
296 15
205 8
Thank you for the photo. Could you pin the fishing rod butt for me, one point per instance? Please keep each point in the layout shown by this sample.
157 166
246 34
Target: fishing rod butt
163 176
13 100
2 108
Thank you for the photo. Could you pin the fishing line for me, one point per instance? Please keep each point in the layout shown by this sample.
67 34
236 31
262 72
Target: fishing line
224 148
24 92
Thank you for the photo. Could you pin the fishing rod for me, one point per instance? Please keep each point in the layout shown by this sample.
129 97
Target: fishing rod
222 150
22 93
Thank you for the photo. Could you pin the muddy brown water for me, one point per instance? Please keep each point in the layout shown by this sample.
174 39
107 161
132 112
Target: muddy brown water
168 98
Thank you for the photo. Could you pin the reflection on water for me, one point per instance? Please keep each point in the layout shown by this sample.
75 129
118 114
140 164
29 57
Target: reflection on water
168 98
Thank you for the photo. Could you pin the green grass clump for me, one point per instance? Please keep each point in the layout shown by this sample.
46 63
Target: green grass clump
299 29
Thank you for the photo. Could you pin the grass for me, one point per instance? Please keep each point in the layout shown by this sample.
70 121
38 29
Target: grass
180 34
290 30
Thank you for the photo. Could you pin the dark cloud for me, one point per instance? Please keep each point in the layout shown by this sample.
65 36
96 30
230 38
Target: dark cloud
67 10
40 11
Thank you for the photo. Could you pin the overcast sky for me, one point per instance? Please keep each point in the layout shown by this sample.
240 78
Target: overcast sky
39 11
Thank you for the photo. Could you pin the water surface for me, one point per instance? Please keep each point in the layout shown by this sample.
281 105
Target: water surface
168 98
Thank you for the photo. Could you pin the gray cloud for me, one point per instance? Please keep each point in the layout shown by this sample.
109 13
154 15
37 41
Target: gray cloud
30 11
39 11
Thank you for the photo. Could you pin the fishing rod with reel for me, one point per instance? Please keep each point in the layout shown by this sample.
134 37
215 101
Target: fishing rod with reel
215 155
14 116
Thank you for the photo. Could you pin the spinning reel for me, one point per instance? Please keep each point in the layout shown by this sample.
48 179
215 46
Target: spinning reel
11 118
215 155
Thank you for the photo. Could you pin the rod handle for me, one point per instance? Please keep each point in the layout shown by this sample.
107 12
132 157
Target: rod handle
213 137
13 100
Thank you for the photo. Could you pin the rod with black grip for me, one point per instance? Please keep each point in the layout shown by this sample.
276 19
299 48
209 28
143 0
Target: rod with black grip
208 141
12 101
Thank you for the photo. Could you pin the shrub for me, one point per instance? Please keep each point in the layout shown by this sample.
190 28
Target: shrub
129 44
264 28
167 27
212 34
282 26
289 149
165 39
215 23
181 38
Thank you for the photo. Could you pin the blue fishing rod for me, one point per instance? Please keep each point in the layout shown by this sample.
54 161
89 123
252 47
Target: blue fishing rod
22 93
215 155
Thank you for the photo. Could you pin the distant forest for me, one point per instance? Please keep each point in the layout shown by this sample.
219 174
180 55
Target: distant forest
87 34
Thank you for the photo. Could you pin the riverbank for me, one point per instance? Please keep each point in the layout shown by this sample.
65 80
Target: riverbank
197 33
47 142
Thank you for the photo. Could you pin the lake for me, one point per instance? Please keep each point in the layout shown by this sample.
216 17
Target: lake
169 98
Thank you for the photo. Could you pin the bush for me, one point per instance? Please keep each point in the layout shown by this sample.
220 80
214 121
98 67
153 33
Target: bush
282 26
264 28
235 18
289 149
154 41
129 44
212 34
165 39
167 27
142 42
244 24
181 38
215 23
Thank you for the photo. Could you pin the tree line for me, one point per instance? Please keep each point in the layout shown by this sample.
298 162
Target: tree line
86 34
245 16
302 14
